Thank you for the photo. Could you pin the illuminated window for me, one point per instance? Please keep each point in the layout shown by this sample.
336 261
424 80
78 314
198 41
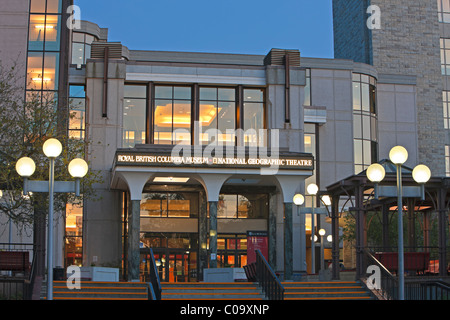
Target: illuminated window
77 119
243 206
217 115
134 115
172 115
168 205
74 234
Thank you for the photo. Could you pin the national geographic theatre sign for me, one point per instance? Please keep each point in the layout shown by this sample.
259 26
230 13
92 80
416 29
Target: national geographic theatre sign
138 159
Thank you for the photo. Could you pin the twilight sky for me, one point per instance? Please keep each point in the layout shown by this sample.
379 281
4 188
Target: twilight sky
225 26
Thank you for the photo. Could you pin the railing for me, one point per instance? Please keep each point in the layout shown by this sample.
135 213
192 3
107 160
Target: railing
17 284
154 277
267 279
387 288
415 288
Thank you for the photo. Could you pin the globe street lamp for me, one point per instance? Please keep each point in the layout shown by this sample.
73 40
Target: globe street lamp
25 167
322 253
421 174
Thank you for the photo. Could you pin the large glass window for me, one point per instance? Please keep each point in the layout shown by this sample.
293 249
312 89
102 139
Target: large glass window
364 122
172 115
243 206
445 56
134 115
74 234
169 205
77 104
446 108
217 115
444 10
254 117
81 47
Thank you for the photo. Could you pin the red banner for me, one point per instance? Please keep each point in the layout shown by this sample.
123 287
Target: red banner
257 240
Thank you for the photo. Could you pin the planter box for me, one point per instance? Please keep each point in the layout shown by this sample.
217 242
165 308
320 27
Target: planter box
99 274
224 275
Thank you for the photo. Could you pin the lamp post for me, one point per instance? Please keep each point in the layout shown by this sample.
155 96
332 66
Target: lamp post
322 254
298 200
421 174
312 190
25 167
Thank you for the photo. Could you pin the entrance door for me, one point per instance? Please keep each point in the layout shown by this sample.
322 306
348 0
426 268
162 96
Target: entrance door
173 265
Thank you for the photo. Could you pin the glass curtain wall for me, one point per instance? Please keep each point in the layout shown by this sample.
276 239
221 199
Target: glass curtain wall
134 115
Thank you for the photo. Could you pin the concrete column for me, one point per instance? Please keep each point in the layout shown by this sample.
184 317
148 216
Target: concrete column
213 234
288 254
273 231
202 236
133 240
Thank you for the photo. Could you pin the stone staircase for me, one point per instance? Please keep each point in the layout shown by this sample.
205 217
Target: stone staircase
97 290
331 290
211 291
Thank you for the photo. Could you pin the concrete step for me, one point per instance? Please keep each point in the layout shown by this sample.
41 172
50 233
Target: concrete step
335 290
95 290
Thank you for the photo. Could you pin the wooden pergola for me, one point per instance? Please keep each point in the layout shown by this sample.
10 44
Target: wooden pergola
356 194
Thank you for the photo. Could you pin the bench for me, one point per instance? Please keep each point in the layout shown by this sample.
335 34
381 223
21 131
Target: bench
14 261
413 261
250 272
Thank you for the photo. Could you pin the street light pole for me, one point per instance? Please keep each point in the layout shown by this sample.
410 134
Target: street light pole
312 189
401 266
51 185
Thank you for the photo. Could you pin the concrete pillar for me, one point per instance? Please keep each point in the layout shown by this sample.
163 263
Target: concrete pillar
202 236
213 233
288 254
273 231
133 240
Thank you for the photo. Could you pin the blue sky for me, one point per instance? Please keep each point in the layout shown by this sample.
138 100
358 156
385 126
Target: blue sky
225 26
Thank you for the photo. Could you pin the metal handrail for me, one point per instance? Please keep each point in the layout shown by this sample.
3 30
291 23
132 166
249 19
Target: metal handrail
267 279
154 276
388 286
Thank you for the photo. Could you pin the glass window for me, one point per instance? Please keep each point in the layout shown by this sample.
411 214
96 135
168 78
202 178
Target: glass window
134 115
53 6
217 115
51 71
74 234
172 115
447 161
445 56
169 205
364 121
36 32
444 10
34 70
37 6
254 118
446 109
307 100
77 119
243 206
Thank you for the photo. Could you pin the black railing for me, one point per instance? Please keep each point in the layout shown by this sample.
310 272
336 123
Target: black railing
154 277
267 279
17 273
387 285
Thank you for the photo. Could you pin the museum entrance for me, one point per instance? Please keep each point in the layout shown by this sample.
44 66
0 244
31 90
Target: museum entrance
175 256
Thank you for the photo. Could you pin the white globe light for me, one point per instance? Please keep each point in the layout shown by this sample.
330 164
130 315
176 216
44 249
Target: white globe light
312 189
25 167
322 232
398 155
375 172
330 238
78 168
52 148
299 199
326 200
421 173
1 194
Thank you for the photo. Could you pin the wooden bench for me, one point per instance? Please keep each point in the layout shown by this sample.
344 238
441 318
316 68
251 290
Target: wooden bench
17 261
413 261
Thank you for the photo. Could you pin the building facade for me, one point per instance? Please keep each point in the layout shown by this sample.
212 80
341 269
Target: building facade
202 153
